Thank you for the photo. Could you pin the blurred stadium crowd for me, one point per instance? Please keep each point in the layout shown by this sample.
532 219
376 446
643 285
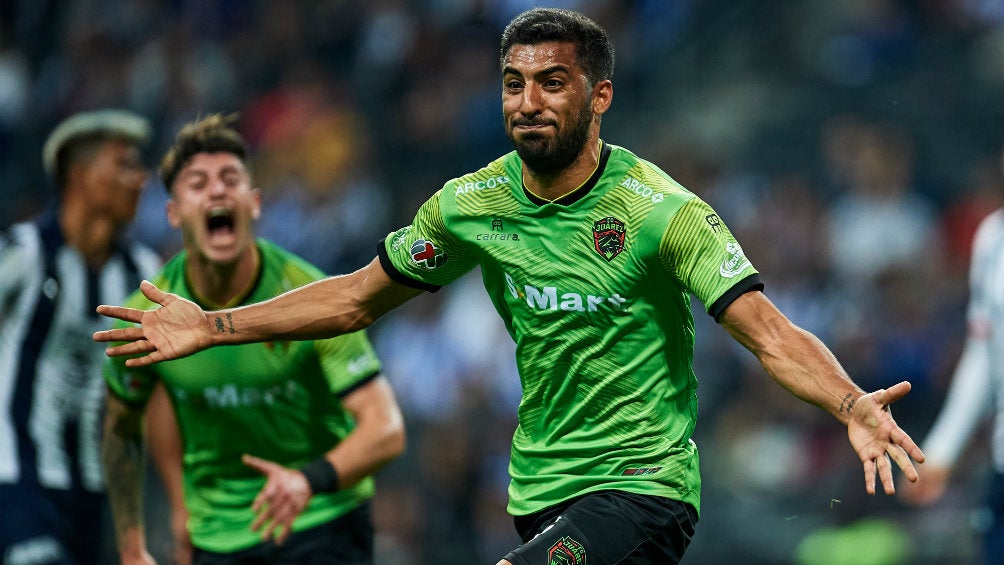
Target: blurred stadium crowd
852 146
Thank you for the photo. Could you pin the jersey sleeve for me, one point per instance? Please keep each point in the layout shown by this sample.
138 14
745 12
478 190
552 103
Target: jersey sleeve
968 402
132 386
348 361
425 254
700 252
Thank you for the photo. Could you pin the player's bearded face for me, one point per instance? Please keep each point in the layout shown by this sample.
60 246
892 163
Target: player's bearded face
550 154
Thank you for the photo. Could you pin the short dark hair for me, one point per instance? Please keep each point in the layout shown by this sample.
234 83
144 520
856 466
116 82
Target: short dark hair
539 25
212 134
78 139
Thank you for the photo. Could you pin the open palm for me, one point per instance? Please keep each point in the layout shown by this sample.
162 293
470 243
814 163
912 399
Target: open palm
176 329
876 438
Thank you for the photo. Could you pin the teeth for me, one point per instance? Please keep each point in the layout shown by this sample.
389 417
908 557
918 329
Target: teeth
217 212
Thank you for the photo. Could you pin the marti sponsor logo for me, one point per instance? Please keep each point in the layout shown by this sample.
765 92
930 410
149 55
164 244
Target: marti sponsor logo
229 396
549 298
462 188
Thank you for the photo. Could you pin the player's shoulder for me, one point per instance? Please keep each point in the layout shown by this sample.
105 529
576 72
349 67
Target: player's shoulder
641 178
991 228
147 260
488 182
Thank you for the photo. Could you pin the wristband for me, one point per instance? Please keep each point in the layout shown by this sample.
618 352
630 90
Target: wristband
321 475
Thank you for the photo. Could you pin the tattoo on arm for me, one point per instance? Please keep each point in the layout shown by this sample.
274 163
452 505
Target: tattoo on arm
847 404
124 457
221 328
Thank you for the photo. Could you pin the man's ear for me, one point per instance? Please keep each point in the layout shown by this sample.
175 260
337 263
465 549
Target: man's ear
172 214
256 209
603 96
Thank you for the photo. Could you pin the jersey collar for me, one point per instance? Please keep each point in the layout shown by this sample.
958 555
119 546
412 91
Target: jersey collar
579 193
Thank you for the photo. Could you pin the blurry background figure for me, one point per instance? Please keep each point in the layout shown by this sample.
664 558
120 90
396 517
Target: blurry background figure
54 271
977 390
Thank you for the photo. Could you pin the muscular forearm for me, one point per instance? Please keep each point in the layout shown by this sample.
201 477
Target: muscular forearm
326 308
793 357
123 457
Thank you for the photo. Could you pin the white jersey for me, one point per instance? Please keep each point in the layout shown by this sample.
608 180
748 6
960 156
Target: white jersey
977 387
51 383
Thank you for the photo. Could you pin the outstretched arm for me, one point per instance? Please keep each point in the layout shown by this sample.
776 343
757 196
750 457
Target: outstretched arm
326 308
798 361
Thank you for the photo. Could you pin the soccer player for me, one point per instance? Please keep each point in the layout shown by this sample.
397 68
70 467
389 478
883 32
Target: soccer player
588 253
54 270
279 440
977 389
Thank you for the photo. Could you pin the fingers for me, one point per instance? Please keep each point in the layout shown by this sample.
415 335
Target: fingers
152 292
885 474
119 334
869 476
131 348
258 464
120 312
894 393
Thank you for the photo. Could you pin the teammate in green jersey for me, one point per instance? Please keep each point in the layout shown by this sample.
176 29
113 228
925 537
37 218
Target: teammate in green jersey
589 254
278 440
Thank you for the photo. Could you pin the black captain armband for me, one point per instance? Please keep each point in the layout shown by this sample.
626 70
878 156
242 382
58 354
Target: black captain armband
321 475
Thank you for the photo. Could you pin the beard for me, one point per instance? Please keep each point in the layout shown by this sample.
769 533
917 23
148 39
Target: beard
549 156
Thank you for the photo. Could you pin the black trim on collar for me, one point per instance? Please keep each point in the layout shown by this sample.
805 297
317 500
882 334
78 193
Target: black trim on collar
578 194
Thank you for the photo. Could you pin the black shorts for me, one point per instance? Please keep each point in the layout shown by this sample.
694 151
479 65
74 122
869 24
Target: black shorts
346 540
610 528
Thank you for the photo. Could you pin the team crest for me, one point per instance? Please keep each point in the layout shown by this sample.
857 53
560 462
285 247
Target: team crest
608 237
426 254
566 551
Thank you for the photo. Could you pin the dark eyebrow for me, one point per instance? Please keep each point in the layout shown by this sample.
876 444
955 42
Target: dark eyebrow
508 69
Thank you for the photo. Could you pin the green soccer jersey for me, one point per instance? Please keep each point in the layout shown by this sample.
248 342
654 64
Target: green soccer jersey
594 289
279 401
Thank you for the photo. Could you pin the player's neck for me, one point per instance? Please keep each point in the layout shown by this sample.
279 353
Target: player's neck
92 235
554 186
223 285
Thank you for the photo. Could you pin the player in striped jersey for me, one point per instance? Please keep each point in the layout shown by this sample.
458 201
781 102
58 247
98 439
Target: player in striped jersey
589 253
54 270
977 389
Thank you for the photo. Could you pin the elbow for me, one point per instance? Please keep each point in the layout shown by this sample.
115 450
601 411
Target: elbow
394 440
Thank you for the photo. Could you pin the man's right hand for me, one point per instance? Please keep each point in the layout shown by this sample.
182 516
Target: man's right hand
177 329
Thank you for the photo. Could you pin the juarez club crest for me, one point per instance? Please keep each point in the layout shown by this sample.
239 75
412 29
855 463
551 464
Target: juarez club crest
566 551
608 237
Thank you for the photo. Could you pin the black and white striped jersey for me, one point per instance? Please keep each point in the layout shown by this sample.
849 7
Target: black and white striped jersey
51 384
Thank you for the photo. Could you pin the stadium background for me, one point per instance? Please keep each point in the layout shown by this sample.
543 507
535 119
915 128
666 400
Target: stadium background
852 146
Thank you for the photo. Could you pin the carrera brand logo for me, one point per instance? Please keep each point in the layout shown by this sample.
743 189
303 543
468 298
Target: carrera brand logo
498 233
735 263
475 186
548 298
425 254
642 190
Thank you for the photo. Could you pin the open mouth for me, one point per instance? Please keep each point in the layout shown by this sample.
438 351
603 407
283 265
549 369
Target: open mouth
220 221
